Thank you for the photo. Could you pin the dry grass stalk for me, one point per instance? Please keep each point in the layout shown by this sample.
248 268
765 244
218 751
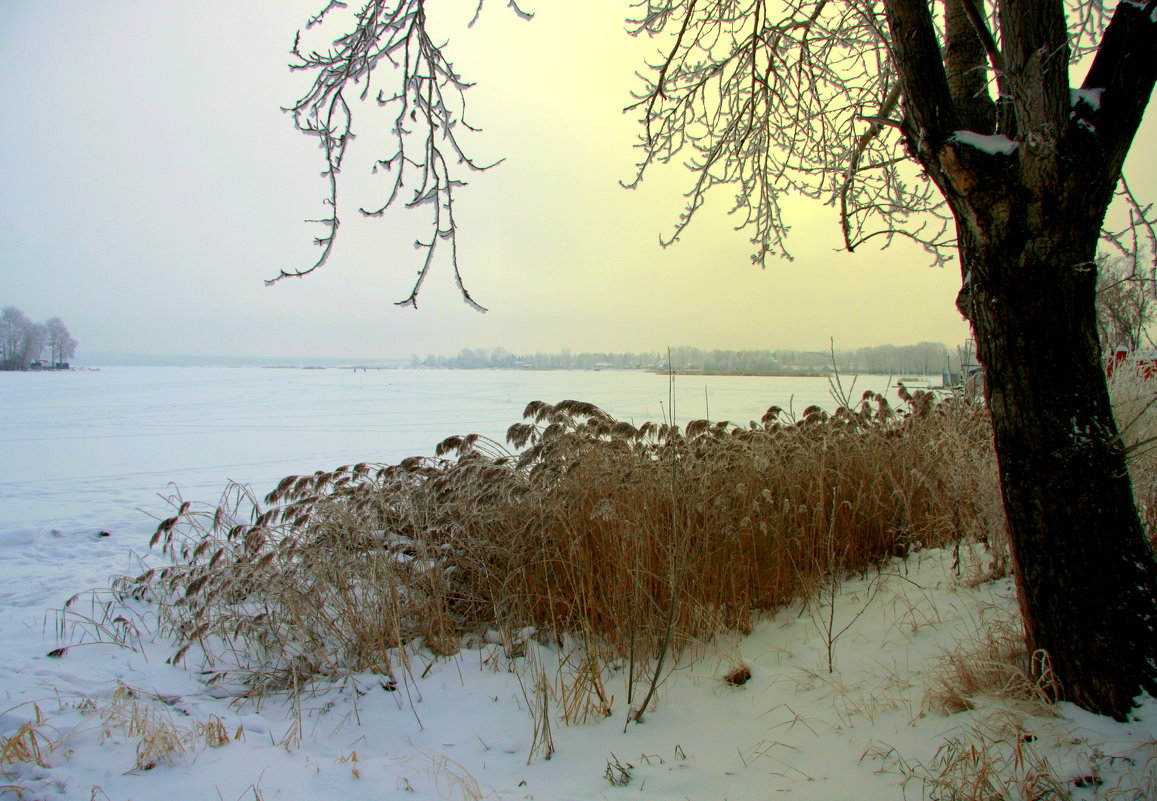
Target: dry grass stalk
30 744
618 772
537 699
144 717
997 759
582 694
94 617
988 767
129 713
452 780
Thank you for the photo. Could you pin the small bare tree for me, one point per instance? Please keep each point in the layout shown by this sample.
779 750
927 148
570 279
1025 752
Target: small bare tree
21 340
13 324
35 339
61 345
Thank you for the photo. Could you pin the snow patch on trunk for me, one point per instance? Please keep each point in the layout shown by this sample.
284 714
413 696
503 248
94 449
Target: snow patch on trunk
998 144
1090 97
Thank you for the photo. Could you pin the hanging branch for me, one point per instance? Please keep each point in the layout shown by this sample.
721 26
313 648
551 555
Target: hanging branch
426 102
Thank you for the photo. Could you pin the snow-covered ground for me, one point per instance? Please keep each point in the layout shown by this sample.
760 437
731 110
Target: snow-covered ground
82 452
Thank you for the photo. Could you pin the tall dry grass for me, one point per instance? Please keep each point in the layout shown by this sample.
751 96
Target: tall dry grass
634 541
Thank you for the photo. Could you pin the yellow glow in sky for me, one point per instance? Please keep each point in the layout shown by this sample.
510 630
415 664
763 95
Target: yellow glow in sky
153 183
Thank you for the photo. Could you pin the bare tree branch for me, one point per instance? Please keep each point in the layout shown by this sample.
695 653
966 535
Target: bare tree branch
1136 242
769 99
427 102
1125 71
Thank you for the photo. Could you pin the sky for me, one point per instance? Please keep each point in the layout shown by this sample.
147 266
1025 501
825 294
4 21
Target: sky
152 183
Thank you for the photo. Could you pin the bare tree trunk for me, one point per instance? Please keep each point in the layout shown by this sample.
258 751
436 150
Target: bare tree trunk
1087 577
1028 206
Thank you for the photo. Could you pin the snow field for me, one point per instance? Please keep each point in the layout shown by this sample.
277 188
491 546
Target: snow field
103 721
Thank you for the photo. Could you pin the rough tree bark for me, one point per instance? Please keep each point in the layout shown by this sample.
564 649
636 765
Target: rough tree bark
1028 205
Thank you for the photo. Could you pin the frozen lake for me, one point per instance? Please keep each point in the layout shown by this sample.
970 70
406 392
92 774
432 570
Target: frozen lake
81 452
103 444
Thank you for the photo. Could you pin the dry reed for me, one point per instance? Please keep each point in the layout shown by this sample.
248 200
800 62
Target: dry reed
626 538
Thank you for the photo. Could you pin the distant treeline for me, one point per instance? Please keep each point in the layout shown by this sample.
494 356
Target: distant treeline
925 358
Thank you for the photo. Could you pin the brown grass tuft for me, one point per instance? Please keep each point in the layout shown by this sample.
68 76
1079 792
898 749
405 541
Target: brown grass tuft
992 663
32 743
